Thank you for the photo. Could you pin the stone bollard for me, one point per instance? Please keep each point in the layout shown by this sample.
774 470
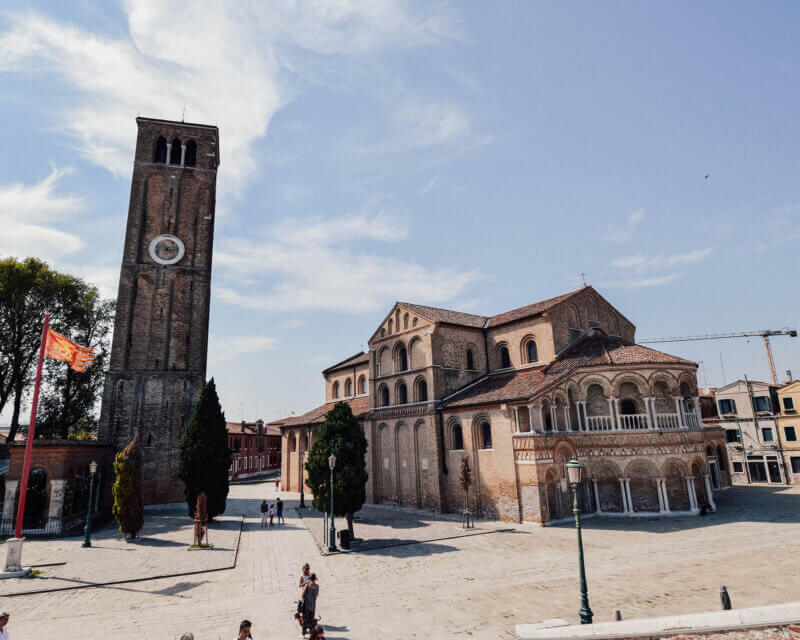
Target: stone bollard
724 598
617 615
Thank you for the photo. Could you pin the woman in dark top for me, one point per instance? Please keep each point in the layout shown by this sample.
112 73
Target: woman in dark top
310 594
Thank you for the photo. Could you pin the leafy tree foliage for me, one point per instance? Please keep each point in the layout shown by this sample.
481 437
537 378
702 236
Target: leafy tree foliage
29 289
127 490
205 456
341 435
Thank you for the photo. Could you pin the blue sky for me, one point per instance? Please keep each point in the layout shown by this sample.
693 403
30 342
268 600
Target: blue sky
477 156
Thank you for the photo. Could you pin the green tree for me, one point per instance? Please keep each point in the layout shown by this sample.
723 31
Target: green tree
28 290
67 408
205 457
127 489
341 435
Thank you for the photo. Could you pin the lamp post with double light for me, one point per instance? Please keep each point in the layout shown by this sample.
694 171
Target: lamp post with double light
574 472
332 532
87 532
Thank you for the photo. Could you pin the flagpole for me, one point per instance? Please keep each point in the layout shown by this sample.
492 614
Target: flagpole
26 466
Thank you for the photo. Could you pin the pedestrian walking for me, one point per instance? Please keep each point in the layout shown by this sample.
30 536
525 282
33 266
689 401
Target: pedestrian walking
244 630
304 577
264 509
4 626
310 594
277 484
279 510
271 513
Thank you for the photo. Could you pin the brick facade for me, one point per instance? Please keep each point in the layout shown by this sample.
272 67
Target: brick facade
158 356
255 449
519 394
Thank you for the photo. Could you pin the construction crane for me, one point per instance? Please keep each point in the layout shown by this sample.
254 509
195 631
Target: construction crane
765 335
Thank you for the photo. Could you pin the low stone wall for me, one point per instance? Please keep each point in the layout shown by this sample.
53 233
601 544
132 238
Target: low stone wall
772 622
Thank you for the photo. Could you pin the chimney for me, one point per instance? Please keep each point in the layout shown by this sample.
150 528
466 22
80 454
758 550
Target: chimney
788 376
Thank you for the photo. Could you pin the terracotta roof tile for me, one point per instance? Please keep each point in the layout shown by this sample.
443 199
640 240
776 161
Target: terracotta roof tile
358 406
360 358
594 349
529 310
435 314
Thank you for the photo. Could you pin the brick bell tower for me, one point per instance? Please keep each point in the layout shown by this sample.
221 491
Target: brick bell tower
158 356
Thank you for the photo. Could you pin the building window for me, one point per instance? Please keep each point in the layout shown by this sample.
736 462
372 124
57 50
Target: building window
795 465
385 397
486 436
191 154
533 354
790 434
389 327
175 152
362 385
402 359
348 388
405 321
470 360
505 358
738 467
762 403
731 435
415 322
458 438
160 153
335 389
788 404
766 434
402 393
727 406
422 391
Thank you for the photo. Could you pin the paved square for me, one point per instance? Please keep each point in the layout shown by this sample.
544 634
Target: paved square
477 586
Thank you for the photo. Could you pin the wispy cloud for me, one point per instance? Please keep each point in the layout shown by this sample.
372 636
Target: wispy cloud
330 265
30 217
223 64
638 283
645 263
229 347
624 232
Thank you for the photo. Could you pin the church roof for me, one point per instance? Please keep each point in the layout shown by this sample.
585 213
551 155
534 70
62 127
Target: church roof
251 428
358 406
436 314
594 349
359 358
449 316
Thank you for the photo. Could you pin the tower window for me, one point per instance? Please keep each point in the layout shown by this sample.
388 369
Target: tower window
505 358
191 154
470 360
175 152
458 437
533 354
402 394
160 153
486 436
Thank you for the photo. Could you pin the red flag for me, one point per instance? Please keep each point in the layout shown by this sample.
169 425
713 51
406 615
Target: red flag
60 348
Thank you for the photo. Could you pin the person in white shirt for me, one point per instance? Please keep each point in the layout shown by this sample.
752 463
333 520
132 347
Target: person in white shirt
3 628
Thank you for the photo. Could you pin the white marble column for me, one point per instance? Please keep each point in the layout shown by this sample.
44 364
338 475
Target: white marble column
661 508
58 490
183 154
709 491
169 151
679 411
568 417
611 413
624 495
697 411
690 487
628 493
649 409
530 417
666 495
581 421
7 526
553 420
596 496
541 418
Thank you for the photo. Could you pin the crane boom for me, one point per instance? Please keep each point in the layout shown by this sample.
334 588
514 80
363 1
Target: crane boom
792 333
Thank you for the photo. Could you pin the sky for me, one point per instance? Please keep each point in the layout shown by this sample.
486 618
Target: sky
477 156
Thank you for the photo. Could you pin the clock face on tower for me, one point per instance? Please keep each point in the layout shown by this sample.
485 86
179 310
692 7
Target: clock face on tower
167 249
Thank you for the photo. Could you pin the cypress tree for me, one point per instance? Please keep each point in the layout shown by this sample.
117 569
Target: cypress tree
340 434
205 456
127 490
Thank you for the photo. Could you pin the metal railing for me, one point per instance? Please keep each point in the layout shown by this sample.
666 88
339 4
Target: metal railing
634 421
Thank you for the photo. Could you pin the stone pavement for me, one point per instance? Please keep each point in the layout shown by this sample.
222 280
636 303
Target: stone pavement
477 586
380 526
162 548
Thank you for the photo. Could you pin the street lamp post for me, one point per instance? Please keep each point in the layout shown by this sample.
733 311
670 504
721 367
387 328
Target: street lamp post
87 532
302 488
574 471
332 532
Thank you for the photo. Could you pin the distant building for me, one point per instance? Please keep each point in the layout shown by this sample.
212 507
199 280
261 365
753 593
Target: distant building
255 449
748 412
789 428
519 394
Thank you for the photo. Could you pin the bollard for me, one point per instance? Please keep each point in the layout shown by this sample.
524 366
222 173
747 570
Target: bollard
617 615
724 598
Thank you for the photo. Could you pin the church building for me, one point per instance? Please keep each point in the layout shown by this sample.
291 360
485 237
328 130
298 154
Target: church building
519 394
